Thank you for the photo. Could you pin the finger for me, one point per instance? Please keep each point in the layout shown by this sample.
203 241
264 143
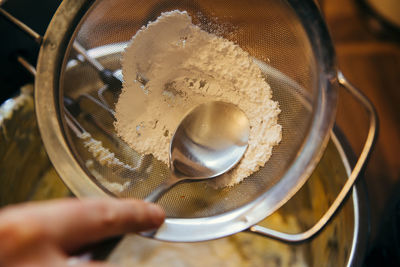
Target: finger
73 223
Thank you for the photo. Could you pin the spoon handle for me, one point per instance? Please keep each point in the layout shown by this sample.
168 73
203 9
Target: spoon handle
162 189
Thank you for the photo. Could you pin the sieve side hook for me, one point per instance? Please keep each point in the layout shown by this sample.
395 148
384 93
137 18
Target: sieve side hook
359 166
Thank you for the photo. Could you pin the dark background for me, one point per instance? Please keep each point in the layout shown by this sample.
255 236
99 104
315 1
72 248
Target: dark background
35 13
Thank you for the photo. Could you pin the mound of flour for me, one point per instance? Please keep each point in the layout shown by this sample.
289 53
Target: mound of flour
171 66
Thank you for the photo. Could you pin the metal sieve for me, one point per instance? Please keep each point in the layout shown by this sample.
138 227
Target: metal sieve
77 86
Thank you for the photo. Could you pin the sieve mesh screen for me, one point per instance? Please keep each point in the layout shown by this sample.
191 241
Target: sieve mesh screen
268 30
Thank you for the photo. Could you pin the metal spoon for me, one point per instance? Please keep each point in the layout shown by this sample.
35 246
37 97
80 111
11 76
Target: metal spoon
209 141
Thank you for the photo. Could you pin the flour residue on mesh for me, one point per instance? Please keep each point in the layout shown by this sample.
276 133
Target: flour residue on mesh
171 66
103 155
114 187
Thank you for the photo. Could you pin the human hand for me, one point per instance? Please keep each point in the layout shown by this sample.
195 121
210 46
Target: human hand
44 234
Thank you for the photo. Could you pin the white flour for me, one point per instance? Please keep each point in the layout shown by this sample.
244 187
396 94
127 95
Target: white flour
171 66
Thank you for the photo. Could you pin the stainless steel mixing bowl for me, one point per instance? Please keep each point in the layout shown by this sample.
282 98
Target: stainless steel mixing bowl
27 174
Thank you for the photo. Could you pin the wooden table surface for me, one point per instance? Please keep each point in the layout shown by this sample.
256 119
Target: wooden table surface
371 61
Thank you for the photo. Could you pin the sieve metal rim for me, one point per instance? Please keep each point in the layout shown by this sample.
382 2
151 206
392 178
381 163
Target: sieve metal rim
51 125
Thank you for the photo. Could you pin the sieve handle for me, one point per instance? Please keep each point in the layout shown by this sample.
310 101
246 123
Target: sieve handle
361 162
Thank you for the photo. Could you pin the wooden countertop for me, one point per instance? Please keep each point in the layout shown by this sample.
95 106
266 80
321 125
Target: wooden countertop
371 61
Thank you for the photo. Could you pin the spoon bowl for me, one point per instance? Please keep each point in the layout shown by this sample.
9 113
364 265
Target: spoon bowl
208 142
